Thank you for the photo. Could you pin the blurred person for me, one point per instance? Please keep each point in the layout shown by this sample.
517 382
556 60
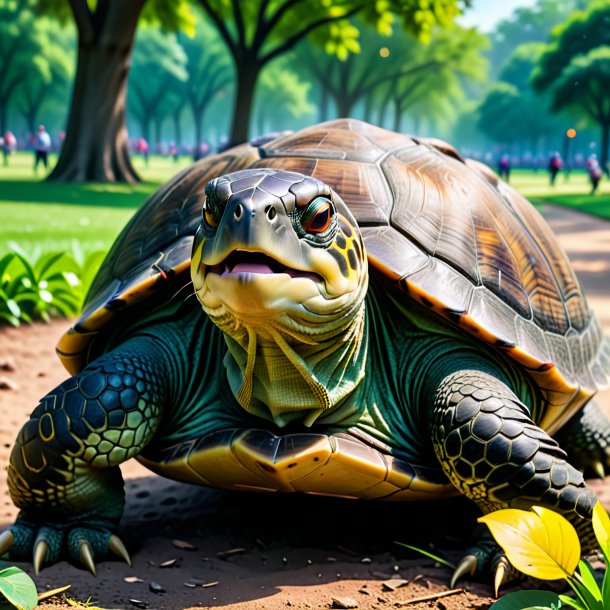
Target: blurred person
42 146
594 171
9 145
142 148
555 164
504 167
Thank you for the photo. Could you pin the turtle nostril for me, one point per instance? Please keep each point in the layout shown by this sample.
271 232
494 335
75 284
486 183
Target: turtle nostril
238 211
271 212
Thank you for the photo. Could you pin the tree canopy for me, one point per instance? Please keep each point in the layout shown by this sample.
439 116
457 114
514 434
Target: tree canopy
258 31
575 68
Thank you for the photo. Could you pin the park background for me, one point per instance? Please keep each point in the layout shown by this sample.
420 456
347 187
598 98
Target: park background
524 80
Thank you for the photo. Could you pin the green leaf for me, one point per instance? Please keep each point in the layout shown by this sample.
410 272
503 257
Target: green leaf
570 601
540 543
45 263
18 588
588 579
529 599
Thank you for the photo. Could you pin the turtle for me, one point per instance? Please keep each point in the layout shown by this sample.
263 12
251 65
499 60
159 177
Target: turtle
342 310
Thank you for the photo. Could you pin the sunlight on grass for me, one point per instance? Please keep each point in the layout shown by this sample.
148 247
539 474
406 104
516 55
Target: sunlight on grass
53 215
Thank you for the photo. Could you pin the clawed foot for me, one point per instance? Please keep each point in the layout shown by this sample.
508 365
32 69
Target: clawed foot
46 545
482 559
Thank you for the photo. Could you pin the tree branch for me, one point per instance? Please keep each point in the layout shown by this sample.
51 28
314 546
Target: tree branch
266 26
401 74
83 19
220 26
239 22
302 33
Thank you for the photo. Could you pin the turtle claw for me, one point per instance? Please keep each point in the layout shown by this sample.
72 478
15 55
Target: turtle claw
86 556
6 541
467 565
40 554
598 468
115 544
501 576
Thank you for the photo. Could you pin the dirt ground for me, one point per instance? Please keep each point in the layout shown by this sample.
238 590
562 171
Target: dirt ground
271 551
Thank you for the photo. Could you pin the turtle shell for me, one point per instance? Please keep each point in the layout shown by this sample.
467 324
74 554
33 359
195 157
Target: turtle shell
446 230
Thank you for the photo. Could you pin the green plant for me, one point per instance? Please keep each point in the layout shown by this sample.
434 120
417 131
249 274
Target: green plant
543 544
18 588
41 285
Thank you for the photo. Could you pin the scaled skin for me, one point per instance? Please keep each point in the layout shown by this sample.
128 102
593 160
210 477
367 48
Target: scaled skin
328 384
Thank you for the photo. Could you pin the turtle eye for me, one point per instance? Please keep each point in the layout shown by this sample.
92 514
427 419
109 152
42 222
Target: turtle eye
318 215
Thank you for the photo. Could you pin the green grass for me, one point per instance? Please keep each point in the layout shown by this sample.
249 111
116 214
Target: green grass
571 193
53 215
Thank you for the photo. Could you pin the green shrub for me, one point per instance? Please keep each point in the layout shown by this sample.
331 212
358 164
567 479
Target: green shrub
38 286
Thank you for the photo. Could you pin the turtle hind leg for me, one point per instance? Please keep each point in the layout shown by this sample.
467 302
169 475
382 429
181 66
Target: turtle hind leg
495 455
586 440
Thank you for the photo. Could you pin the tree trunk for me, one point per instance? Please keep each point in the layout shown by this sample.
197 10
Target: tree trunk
383 107
96 146
198 121
158 133
397 115
3 116
323 109
247 71
368 108
177 129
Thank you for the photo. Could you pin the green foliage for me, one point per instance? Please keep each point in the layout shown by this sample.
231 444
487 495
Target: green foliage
18 588
42 285
543 544
528 24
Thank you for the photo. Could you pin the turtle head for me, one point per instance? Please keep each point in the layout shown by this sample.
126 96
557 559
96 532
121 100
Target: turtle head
276 245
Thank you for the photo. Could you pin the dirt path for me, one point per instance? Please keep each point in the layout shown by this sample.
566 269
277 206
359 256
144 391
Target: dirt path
286 551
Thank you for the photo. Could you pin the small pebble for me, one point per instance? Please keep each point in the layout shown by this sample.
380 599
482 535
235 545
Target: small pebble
155 587
8 384
170 563
138 603
184 545
7 364
366 560
132 579
344 602
394 583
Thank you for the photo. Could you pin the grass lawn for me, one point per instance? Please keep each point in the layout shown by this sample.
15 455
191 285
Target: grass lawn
53 215
571 193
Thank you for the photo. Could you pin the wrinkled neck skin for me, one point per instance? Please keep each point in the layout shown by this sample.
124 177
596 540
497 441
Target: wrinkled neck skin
286 369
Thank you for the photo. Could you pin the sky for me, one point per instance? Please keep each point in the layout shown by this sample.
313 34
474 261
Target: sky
486 13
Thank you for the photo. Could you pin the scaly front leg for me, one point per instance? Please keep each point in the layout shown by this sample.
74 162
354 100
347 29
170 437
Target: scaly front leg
494 454
64 469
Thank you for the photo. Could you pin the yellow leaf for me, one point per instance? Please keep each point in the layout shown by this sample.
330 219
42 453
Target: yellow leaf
540 543
601 527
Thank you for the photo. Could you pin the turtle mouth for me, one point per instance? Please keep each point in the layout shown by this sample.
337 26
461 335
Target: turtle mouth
243 261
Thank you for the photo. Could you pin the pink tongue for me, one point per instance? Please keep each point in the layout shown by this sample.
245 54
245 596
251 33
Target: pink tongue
251 268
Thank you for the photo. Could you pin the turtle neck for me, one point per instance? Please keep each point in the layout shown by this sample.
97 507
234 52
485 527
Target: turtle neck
285 370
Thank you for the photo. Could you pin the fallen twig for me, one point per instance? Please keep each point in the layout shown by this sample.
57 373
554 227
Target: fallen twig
427 598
